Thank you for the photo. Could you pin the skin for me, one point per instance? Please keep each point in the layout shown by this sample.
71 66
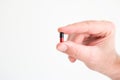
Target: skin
93 43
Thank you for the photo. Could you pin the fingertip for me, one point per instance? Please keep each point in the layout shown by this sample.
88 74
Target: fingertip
61 47
57 45
64 29
61 29
71 59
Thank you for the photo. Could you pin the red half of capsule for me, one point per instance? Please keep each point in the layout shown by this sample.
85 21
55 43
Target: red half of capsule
61 39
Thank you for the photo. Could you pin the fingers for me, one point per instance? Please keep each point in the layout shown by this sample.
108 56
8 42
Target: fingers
77 39
91 27
63 48
74 50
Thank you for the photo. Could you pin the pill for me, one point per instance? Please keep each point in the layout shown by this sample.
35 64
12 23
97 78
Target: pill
61 36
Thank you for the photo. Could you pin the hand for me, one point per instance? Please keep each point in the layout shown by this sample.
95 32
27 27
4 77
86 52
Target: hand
93 43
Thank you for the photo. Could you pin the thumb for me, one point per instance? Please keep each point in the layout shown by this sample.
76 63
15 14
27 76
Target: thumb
77 51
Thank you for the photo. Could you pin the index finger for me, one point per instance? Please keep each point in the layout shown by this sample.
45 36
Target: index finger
90 27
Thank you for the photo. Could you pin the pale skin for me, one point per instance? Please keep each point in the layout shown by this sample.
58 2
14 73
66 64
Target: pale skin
93 43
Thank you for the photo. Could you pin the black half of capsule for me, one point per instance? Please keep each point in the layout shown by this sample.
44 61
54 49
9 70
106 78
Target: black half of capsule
61 35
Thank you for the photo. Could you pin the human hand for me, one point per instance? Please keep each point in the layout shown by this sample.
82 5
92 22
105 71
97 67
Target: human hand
93 43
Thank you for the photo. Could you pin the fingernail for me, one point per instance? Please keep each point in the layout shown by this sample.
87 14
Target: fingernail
62 47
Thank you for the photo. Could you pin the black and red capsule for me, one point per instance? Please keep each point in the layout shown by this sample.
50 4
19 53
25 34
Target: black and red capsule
61 37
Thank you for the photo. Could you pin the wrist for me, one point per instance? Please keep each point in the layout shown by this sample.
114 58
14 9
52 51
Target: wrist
114 71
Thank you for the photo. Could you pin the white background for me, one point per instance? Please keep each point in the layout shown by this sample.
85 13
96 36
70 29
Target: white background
28 37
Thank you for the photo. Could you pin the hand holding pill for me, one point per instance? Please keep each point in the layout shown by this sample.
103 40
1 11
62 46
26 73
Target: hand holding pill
93 43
